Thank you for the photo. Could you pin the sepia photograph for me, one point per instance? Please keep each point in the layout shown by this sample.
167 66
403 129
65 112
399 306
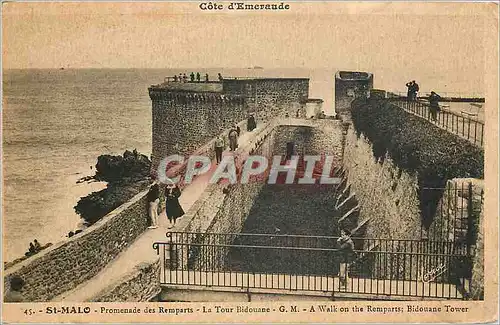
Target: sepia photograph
249 162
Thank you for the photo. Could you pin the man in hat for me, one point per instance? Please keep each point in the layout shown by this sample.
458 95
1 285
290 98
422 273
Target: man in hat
434 105
415 90
219 148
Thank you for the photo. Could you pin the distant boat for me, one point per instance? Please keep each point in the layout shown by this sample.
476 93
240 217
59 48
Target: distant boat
255 68
61 68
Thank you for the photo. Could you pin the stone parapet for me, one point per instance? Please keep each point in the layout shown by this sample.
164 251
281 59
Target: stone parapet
66 264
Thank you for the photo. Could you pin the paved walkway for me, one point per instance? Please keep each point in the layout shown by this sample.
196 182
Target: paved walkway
141 250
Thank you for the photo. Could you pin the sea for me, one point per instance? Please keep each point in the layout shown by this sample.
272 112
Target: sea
56 122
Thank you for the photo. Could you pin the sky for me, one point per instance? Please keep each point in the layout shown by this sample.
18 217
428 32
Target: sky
440 39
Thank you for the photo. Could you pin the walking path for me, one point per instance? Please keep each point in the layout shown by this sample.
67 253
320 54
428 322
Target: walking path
141 250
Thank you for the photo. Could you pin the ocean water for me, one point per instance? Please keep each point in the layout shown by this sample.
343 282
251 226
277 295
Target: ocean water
57 122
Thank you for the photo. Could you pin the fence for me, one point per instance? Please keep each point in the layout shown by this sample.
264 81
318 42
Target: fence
380 267
456 218
446 95
460 124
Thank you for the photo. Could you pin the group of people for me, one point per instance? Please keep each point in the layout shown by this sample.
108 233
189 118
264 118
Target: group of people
433 98
34 248
413 90
173 209
233 136
182 77
220 144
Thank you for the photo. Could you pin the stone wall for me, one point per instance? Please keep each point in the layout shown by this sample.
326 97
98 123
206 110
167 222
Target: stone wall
140 285
224 208
63 266
271 97
348 86
183 121
454 216
320 138
387 195
477 283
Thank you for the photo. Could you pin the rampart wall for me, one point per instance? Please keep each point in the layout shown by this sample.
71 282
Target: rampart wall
64 265
184 120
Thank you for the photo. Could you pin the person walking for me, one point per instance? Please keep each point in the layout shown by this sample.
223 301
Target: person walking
233 138
251 124
346 249
434 105
14 294
173 208
219 148
154 200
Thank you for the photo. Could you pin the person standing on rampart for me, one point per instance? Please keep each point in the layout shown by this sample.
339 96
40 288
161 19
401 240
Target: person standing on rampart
173 208
220 77
206 77
198 77
434 105
192 76
175 78
37 245
184 78
346 250
219 148
154 201
409 93
251 124
233 138
415 90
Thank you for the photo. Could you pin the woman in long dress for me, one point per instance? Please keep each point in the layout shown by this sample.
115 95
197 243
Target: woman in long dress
173 207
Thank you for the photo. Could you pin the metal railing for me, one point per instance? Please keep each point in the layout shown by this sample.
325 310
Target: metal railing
465 126
378 267
444 94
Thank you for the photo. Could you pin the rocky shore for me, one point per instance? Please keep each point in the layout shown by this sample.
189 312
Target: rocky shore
126 176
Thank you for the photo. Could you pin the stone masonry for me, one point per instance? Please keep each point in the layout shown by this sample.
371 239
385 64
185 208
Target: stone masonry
63 266
184 120
141 285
